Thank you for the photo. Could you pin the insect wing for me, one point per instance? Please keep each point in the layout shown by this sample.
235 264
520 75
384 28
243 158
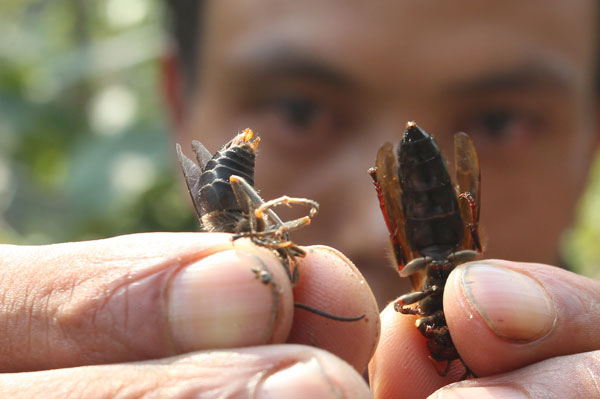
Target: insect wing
192 173
468 179
391 193
202 154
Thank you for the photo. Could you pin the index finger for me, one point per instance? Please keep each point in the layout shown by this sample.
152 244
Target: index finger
400 367
331 283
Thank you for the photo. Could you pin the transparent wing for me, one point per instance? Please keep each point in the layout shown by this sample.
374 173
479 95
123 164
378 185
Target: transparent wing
192 173
468 179
202 154
391 197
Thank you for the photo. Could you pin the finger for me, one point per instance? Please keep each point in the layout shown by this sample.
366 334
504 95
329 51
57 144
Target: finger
400 367
137 297
276 371
566 377
505 315
330 282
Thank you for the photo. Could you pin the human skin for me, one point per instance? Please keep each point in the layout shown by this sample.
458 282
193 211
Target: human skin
326 83
85 319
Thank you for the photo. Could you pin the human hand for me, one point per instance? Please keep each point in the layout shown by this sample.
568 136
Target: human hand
541 338
91 315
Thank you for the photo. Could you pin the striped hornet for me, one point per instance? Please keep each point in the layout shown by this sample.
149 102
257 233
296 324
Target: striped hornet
221 187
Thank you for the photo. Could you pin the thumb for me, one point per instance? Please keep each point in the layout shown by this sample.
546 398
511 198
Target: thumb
138 297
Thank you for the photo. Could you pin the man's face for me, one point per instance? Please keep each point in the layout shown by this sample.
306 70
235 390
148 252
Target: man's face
325 84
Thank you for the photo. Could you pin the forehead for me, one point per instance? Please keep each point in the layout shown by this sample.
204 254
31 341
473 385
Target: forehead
405 40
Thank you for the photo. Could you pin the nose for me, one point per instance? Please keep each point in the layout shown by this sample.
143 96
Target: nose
362 231
364 238
351 221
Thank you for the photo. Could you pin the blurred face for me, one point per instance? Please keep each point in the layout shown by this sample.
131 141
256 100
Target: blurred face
325 84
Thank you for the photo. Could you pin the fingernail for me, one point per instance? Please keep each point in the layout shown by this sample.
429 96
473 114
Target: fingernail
491 392
514 305
221 302
301 380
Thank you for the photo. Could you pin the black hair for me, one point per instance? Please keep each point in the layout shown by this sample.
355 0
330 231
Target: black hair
184 23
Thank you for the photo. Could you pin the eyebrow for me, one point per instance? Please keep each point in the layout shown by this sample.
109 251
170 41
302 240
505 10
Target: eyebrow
276 62
518 78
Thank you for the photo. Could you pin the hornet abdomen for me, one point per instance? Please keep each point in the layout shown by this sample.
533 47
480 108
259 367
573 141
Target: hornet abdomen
215 191
209 185
433 225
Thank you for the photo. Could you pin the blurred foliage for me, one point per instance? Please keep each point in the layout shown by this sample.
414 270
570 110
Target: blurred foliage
84 150
581 246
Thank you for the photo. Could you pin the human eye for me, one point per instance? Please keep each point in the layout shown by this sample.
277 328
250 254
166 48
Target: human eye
503 126
302 116
495 124
297 112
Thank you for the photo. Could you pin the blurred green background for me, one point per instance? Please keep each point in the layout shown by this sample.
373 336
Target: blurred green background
84 151
84 148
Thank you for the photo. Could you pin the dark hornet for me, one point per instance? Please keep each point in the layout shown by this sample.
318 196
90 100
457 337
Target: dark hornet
221 186
433 226
222 190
